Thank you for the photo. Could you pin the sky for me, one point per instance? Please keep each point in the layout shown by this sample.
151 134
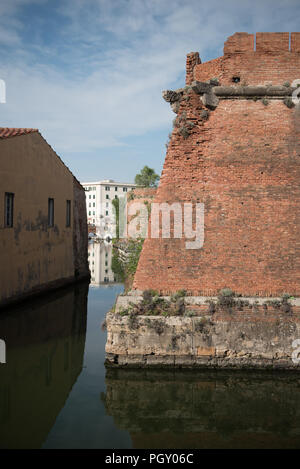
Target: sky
89 73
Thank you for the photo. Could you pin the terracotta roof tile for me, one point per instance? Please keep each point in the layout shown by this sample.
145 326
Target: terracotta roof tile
6 132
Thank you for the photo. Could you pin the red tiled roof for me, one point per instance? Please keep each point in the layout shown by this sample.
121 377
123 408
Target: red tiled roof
6 132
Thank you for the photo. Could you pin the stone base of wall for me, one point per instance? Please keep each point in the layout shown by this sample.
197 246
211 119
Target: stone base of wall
170 361
224 339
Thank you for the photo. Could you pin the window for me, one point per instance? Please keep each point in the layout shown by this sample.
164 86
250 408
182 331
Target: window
9 210
107 196
90 196
107 204
124 189
116 189
94 196
50 212
106 212
94 213
90 213
68 213
94 204
116 197
107 188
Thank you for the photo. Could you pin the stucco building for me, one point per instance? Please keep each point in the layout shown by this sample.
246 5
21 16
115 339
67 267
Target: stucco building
43 229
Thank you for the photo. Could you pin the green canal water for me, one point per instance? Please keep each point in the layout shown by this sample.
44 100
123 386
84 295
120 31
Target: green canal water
56 393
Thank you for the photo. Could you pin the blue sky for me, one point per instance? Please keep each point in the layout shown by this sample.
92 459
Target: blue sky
89 73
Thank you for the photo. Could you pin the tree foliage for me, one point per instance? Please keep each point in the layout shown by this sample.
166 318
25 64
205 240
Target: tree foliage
147 177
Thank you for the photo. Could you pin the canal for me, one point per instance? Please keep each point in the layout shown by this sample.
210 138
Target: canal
56 393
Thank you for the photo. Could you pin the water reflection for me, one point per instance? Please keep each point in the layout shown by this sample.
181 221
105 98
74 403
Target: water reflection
45 347
100 257
182 409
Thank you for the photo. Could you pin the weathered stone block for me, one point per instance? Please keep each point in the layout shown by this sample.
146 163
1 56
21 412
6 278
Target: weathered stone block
170 96
201 87
228 341
206 351
210 100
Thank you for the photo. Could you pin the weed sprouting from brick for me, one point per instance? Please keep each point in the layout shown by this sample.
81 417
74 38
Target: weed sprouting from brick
289 103
152 304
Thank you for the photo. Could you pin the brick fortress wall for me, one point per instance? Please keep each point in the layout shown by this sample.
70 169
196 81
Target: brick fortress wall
236 148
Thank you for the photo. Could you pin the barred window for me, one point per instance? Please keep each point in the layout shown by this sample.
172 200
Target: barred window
68 213
50 212
9 210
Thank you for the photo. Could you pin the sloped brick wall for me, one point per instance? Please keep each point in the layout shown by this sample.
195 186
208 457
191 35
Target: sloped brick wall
243 163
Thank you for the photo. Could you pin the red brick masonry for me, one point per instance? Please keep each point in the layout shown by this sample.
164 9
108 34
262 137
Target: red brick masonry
242 160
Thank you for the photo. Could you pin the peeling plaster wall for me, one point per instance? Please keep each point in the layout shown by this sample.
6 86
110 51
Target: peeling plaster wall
34 255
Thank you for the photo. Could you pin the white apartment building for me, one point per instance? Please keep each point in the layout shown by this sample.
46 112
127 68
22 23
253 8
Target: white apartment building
99 208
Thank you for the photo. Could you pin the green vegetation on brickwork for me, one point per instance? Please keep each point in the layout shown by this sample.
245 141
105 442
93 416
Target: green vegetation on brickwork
116 204
152 304
117 266
125 257
120 218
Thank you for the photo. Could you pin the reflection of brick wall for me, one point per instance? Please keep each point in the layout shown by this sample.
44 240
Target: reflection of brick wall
91 228
243 164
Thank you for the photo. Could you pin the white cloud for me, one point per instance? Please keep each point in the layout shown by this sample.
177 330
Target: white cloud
100 79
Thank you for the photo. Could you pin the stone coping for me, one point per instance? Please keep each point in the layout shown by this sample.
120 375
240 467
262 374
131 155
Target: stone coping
253 91
135 296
